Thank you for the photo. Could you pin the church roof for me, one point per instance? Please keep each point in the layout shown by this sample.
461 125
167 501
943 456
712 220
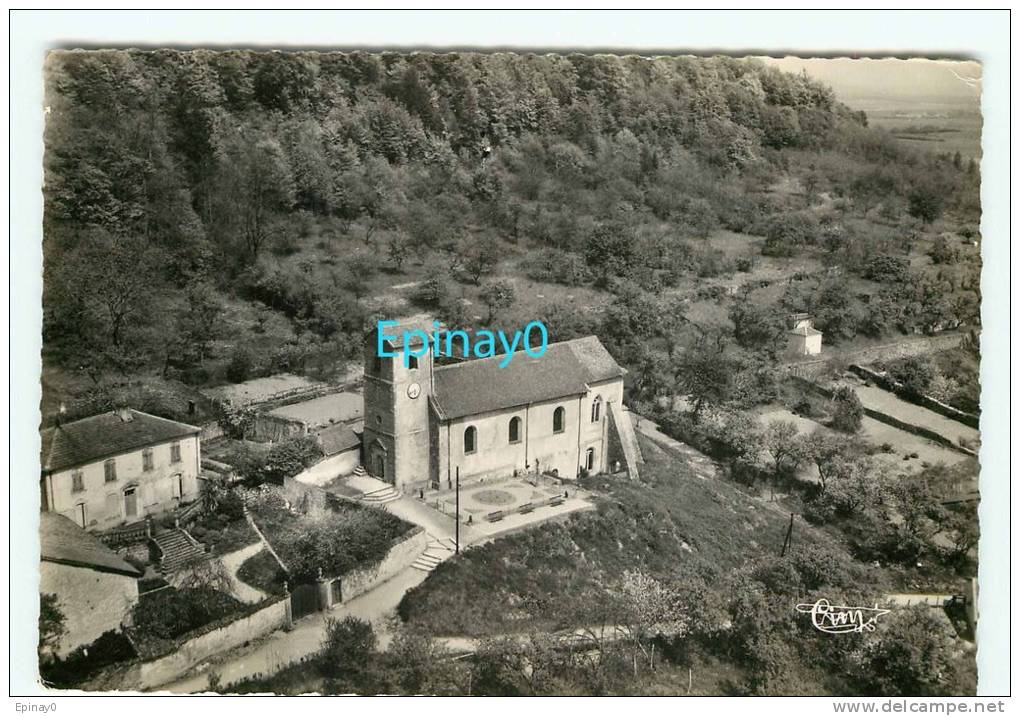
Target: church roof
112 433
481 386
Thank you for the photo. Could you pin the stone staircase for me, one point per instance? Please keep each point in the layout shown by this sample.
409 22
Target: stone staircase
436 551
177 548
375 491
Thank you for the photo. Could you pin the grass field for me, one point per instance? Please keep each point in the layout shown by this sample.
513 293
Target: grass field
670 523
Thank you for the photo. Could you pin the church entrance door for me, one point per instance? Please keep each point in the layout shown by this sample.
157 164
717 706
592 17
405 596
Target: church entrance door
379 465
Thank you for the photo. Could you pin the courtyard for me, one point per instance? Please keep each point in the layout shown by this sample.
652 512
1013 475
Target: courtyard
505 504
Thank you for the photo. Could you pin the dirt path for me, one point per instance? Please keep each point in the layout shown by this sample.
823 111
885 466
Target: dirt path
232 562
702 466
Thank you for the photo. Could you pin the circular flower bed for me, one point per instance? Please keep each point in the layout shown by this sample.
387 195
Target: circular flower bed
492 497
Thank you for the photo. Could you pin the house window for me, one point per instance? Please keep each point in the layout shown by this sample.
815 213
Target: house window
470 440
147 460
110 470
558 419
589 459
412 362
175 452
77 481
515 430
596 409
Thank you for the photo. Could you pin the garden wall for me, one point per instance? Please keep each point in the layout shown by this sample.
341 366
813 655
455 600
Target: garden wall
401 555
189 652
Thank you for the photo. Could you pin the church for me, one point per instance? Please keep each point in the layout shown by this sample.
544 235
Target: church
428 425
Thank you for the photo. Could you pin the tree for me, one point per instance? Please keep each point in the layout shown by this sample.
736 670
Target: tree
258 184
397 250
479 257
916 373
497 295
52 626
758 327
926 202
782 442
609 250
912 655
847 411
346 647
829 453
421 665
706 377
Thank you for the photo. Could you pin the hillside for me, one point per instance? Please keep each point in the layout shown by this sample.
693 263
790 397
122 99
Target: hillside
217 216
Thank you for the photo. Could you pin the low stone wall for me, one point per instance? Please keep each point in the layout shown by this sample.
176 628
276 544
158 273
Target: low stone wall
400 557
150 674
873 354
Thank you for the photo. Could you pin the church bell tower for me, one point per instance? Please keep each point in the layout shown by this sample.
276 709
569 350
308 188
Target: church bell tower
395 441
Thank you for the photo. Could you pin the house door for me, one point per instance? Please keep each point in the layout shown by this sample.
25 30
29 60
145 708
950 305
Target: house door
79 513
589 459
178 486
130 503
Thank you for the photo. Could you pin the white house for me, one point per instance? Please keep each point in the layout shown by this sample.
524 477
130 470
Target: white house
118 467
804 339
94 588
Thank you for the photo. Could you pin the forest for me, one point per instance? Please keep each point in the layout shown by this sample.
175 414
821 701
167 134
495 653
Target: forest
215 216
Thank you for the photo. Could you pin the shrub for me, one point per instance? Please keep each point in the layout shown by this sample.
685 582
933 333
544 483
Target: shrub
240 367
347 646
170 613
847 411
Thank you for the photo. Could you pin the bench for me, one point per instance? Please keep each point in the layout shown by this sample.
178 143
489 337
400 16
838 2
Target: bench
556 501
526 508
495 516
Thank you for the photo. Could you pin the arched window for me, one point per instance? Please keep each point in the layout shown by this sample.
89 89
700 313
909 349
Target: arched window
596 409
515 430
412 362
559 416
470 439
589 459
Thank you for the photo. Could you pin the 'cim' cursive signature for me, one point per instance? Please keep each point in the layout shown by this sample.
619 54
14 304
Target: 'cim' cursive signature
838 619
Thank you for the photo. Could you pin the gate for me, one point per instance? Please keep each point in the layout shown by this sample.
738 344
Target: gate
304 600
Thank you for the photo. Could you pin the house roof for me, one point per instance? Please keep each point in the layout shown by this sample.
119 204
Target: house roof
805 331
481 386
64 542
118 431
337 439
327 409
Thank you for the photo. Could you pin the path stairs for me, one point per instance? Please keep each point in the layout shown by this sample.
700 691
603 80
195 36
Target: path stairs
436 551
178 548
374 491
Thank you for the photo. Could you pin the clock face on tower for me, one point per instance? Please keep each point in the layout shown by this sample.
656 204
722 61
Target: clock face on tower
413 391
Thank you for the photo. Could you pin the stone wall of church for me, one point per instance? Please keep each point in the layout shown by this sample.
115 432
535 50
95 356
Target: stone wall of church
539 447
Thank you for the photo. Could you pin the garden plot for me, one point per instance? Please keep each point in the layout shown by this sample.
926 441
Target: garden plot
906 451
875 398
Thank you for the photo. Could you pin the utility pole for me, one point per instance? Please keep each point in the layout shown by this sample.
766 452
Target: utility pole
788 542
456 522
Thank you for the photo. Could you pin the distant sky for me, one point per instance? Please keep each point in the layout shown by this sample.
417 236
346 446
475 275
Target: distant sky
908 80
